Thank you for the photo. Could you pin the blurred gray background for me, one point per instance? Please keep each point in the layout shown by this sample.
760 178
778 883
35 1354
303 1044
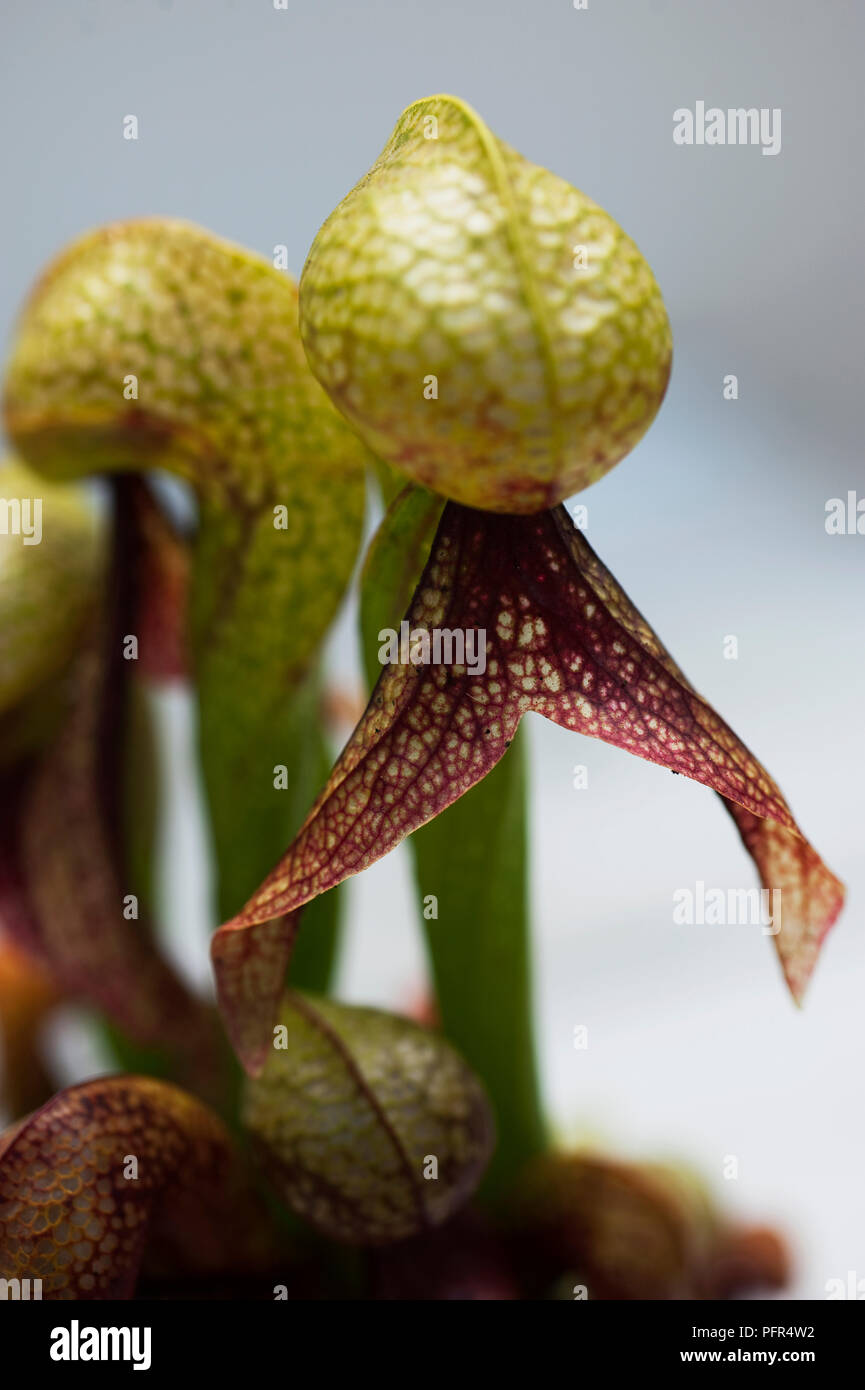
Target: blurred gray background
255 122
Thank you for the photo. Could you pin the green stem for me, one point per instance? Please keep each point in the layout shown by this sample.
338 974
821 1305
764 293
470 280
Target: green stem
473 861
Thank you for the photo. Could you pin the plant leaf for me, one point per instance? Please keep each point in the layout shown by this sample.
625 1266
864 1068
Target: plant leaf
563 640
63 882
457 266
348 1110
152 344
162 563
631 1231
75 1213
48 594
